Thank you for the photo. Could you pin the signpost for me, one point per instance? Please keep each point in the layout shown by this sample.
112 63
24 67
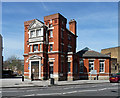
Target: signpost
93 72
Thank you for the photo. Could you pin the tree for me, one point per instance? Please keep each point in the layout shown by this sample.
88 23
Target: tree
13 63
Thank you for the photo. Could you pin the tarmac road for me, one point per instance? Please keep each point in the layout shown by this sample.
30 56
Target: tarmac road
99 89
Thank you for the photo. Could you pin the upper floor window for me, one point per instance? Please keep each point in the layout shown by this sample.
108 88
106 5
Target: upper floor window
51 33
32 33
50 26
40 47
91 65
61 34
62 48
50 20
69 49
69 37
51 47
102 65
35 48
55 20
81 62
30 48
38 33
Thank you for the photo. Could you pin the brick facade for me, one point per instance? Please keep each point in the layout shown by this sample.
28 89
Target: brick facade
50 50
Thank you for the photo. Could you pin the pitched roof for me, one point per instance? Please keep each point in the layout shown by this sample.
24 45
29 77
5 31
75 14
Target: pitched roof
86 52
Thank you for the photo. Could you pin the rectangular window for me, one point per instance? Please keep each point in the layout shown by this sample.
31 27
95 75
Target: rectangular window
51 69
68 66
81 62
32 34
40 47
30 48
62 48
50 20
91 65
69 37
61 34
102 65
50 26
51 34
51 47
69 49
55 20
38 33
35 48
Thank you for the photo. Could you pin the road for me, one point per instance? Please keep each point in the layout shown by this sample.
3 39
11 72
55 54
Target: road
101 89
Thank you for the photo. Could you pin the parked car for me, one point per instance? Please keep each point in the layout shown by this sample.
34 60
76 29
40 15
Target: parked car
115 78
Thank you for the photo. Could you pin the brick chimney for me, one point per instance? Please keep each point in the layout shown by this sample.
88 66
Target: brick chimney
72 26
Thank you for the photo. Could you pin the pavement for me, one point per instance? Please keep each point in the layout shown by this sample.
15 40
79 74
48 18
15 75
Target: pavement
13 83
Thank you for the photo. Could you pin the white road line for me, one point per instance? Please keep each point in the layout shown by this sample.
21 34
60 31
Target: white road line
48 94
102 89
12 91
30 95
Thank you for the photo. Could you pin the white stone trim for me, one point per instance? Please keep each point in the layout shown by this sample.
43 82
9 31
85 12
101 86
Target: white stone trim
26 72
70 52
51 59
51 42
39 67
69 56
54 52
32 43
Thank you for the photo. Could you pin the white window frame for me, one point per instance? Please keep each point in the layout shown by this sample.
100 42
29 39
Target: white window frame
50 47
91 62
51 33
37 48
30 48
40 33
40 47
103 62
32 35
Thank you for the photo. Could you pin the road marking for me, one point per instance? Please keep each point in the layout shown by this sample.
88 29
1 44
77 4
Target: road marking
48 94
30 95
102 89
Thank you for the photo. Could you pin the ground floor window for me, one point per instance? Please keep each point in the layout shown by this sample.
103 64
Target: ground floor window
51 69
81 63
91 65
69 66
102 65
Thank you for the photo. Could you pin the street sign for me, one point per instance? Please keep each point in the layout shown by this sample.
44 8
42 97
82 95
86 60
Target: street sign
93 72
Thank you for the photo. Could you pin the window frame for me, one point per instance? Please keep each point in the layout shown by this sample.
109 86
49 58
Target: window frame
34 48
103 68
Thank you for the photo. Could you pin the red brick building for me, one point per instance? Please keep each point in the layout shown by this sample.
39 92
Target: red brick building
94 65
49 48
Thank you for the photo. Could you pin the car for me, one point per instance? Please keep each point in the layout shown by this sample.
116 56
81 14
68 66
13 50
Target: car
115 78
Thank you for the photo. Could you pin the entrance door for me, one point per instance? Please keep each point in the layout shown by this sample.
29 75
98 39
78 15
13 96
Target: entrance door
51 69
35 69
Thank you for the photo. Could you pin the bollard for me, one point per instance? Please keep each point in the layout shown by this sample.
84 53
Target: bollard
32 75
22 77
52 81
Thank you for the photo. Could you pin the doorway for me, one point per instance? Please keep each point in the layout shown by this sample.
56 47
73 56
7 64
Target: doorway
35 69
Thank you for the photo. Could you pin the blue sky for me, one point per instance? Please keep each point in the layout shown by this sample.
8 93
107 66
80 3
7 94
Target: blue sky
97 23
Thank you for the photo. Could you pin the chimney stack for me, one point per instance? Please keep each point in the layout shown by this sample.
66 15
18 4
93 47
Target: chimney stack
72 26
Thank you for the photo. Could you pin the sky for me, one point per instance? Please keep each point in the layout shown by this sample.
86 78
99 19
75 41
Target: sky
97 23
